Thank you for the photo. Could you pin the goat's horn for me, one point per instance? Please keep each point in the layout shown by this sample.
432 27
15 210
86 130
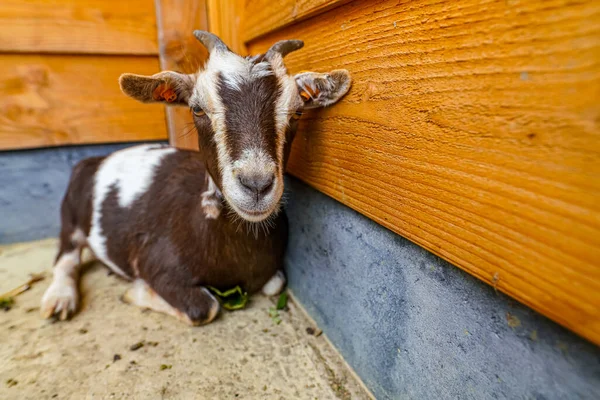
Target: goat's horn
284 47
210 41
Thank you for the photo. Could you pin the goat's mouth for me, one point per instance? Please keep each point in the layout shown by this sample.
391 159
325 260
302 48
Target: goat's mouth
252 209
252 215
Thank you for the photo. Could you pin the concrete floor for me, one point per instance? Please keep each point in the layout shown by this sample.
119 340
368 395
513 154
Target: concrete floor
242 355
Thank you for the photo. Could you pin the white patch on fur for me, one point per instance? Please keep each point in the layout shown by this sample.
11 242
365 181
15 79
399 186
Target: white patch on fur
275 284
233 68
211 200
287 103
261 70
255 160
131 171
62 296
141 295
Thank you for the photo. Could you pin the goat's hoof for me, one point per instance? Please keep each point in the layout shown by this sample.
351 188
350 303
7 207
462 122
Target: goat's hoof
60 299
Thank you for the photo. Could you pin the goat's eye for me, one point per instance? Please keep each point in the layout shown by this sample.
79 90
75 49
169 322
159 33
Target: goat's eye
198 111
297 114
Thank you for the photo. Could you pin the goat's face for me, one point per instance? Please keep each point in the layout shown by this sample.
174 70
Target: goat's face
246 112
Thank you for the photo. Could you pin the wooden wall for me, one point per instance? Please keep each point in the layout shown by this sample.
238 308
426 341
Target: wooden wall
472 128
59 68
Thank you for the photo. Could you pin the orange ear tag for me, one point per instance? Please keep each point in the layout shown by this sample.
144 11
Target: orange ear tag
163 92
157 93
169 95
313 93
308 93
305 96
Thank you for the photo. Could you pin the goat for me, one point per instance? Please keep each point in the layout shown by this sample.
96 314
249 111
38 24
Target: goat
152 213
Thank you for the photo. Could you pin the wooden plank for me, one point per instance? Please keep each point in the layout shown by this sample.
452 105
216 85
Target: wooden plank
181 51
75 26
225 19
473 129
57 100
264 16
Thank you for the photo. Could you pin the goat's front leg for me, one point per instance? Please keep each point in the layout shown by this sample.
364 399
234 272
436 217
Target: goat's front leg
194 305
62 296
142 295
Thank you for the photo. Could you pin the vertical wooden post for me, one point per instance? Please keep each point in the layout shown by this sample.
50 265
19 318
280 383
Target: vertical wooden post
225 20
180 51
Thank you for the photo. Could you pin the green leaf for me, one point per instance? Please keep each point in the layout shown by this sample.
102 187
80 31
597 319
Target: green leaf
6 302
282 302
232 299
274 314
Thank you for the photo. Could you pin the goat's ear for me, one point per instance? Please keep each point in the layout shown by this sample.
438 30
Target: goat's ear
167 87
321 90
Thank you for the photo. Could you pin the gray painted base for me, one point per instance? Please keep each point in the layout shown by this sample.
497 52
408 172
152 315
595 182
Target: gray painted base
32 185
415 327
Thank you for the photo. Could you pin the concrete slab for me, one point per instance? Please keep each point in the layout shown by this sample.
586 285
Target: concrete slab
242 355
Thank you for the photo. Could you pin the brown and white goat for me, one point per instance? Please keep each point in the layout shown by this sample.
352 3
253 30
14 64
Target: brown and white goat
151 213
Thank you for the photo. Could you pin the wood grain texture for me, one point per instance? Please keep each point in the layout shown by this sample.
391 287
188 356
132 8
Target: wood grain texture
225 19
75 26
264 16
472 129
181 51
57 100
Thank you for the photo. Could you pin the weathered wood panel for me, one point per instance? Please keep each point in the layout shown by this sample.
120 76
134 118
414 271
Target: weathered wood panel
472 128
264 16
225 19
58 100
181 51
75 26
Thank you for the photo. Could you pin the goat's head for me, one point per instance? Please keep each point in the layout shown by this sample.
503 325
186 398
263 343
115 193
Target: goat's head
245 110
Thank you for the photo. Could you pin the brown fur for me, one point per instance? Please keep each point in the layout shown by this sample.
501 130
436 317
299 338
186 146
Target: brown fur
250 119
167 86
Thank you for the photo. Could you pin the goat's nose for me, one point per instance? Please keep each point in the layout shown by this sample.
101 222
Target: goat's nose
257 183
